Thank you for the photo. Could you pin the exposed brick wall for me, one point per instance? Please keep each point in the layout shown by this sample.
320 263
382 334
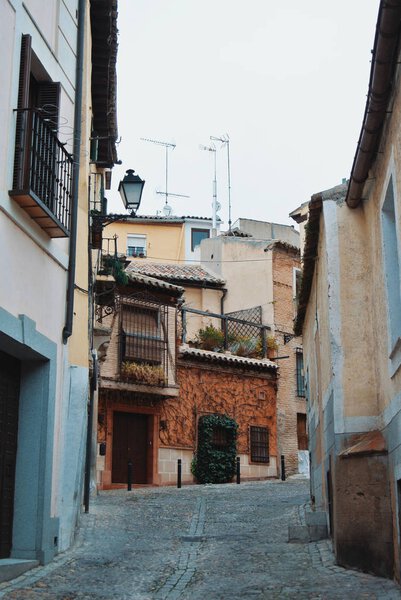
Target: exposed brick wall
288 403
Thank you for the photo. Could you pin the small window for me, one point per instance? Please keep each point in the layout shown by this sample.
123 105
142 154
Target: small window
259 444
220 438
197 235
300 373
136 245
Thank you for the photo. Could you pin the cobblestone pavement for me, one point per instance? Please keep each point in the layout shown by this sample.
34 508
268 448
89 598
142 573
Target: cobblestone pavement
198 543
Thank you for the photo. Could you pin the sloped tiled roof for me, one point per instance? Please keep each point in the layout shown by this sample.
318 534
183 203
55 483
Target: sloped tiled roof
173 272
152 282
232 359
283 246
157 218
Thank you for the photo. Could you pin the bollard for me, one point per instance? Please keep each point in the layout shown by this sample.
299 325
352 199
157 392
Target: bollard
238 470
129 476
282 468
179 468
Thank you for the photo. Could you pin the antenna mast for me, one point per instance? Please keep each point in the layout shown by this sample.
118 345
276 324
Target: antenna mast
225 140
215 205
168 146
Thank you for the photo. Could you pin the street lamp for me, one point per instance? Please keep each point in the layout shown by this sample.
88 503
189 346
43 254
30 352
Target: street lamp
130 189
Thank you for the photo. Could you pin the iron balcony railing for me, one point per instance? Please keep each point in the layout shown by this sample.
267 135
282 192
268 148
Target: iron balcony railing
224 332
43 168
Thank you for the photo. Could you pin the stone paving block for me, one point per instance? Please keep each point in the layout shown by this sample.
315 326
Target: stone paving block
242 550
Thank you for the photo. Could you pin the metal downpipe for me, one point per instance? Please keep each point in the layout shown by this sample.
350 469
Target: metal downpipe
67 331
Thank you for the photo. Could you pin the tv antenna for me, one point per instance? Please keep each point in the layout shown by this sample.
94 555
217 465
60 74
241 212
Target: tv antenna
168 146
216 205
225 140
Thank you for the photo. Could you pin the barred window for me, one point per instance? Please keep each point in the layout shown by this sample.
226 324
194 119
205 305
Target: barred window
259 437
300 373
220 438
142 339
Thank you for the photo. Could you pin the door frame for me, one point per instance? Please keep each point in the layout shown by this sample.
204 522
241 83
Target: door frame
153 442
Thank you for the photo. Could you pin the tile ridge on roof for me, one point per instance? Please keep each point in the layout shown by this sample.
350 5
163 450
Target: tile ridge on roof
154 281
174 271
223 357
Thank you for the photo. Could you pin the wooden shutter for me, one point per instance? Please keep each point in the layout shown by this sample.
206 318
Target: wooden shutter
22 120
48 99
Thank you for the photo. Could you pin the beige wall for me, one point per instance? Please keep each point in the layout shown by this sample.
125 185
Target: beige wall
79 341
247 270
165 242
201 299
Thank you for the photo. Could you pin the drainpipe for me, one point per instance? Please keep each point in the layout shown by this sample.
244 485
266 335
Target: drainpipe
224 290
67 331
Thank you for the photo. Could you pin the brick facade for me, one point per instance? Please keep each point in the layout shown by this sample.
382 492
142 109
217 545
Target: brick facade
285 260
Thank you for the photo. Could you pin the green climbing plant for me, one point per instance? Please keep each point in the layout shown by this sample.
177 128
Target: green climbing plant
214 461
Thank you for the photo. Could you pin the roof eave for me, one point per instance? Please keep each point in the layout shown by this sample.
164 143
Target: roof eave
382 71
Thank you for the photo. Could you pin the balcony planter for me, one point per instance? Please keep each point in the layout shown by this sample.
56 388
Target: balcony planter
142 373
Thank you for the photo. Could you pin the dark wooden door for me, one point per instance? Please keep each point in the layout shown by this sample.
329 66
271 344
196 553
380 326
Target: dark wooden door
130 442
9 397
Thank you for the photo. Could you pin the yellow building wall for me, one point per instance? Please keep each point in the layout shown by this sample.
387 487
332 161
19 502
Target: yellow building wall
164 241
201 299
79 340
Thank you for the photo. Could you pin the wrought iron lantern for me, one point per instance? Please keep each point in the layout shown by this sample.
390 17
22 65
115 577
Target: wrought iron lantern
130 189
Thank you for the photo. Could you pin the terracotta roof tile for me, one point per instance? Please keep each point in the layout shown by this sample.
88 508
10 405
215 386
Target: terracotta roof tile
220 357
184 273
154 283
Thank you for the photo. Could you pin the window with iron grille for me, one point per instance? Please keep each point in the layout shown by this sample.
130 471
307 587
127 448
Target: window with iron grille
259 438
142 337
220 438
300 373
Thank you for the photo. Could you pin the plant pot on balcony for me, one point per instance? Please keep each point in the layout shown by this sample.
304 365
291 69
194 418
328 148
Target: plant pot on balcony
142 373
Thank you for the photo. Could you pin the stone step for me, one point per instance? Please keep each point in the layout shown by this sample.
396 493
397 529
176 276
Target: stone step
315 528
10 568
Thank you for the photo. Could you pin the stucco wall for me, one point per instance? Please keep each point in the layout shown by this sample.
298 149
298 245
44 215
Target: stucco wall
261 230
33 292
247 270
201 299
164 241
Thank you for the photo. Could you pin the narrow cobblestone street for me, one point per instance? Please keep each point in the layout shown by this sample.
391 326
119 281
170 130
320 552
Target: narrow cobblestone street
200 542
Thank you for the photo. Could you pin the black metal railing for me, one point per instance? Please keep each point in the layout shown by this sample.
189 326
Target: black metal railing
42 164
224 332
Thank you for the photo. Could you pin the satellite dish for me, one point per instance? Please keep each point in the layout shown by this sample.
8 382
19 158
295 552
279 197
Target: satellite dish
167 210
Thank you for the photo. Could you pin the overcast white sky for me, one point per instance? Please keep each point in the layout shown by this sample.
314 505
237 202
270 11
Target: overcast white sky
286 80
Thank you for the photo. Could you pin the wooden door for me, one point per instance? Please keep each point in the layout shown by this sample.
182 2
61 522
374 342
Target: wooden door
9 399
130 442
